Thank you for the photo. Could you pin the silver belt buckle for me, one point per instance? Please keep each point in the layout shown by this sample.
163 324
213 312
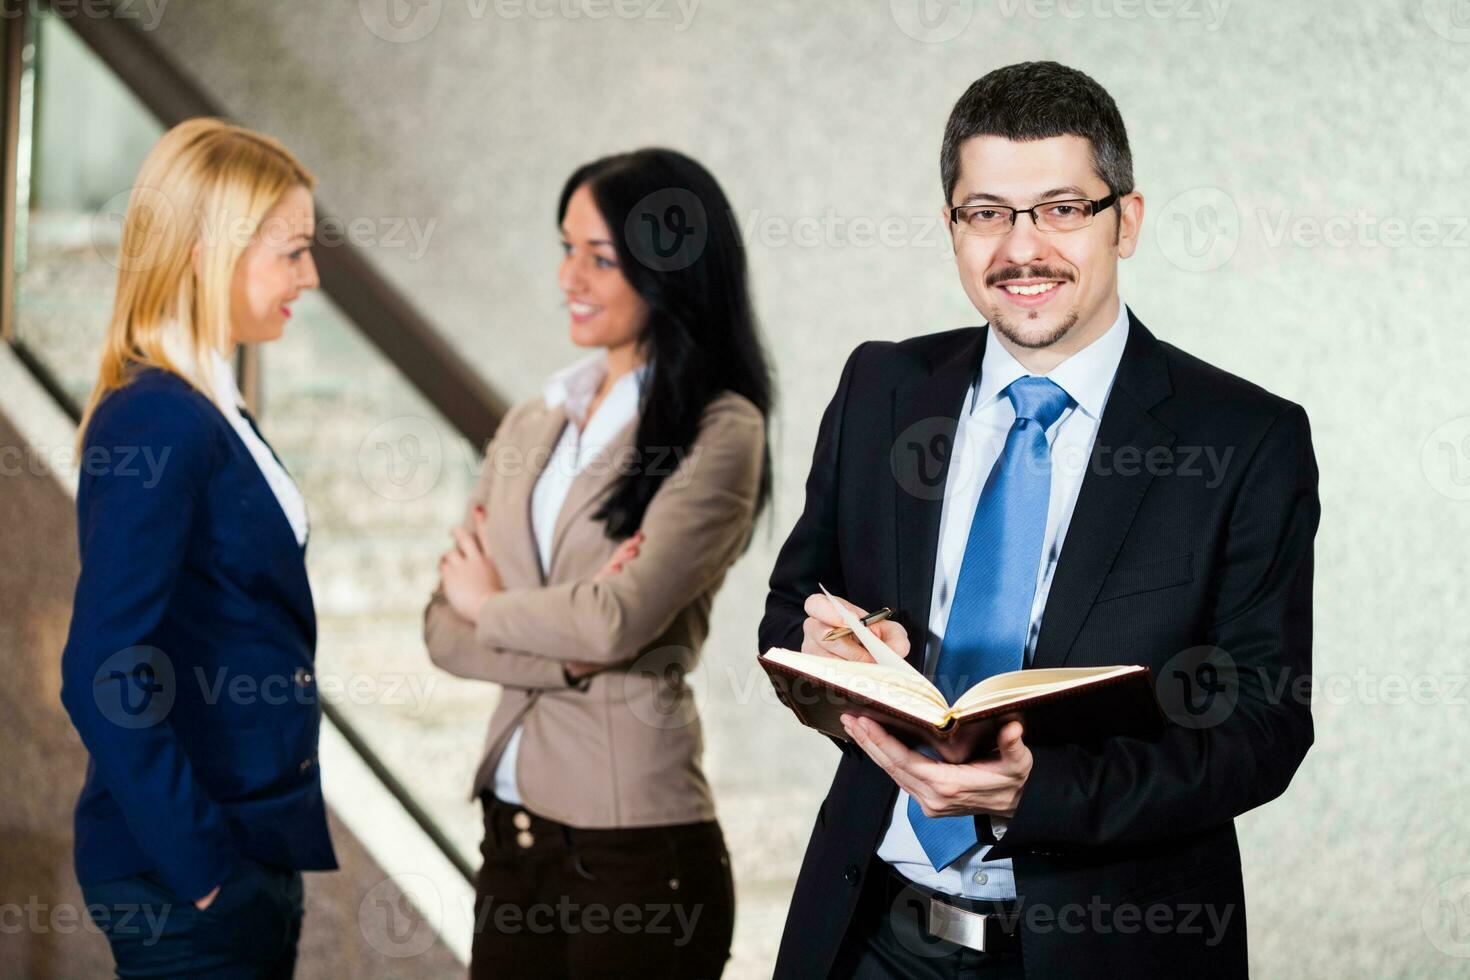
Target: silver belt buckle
957 925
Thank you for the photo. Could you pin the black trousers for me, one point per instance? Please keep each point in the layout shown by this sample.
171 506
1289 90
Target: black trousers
558 901
249 931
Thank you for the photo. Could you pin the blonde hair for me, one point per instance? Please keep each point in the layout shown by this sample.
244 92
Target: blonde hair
206 184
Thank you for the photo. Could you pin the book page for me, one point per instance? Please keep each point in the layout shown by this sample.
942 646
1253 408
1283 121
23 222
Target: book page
880 651
906 689
1017 685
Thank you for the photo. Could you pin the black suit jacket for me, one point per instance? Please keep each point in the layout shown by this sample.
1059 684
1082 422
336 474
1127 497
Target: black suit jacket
1189 551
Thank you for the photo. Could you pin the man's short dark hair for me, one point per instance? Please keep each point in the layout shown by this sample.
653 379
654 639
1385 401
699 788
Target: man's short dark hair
1037 100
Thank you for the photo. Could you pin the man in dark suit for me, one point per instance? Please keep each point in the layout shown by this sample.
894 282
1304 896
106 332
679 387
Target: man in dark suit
1057 488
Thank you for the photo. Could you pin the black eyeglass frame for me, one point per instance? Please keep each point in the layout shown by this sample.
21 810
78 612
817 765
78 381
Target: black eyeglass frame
1098 206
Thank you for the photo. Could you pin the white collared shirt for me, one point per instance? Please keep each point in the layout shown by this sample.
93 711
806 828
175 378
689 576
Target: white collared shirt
1087 376
230 401
573 386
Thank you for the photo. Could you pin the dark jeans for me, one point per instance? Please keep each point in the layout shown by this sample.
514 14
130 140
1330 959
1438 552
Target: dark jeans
249 931
557 901
898 946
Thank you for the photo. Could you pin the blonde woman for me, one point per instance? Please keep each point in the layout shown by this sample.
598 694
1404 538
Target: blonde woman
188 671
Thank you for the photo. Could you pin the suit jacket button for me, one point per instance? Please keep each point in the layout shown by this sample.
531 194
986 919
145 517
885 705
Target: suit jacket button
303 677
851 874
304 767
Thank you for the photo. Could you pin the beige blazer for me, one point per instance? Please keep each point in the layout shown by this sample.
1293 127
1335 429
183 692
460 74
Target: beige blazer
624 752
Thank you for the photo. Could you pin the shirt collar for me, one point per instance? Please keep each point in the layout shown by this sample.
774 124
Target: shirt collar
222 376
575 385
1087 375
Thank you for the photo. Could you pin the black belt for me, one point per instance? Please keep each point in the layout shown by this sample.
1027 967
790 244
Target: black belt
985 926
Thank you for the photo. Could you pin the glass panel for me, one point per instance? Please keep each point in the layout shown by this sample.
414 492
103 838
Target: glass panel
87 137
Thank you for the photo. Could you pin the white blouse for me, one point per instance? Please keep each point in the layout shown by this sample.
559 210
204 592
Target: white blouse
573 386
230 403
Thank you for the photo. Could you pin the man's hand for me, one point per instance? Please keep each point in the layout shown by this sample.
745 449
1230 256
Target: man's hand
946 789
821 617
468 574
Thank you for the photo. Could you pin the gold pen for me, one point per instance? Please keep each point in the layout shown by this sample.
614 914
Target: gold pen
868 620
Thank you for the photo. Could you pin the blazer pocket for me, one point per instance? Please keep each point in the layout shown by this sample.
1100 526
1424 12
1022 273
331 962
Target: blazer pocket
1148 577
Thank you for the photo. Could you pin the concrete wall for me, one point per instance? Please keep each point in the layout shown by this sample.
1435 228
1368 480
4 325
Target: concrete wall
1253 123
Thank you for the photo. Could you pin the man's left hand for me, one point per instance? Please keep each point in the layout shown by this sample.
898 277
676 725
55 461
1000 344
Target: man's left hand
945 789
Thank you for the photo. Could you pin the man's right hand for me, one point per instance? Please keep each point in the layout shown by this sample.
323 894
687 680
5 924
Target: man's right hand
821 617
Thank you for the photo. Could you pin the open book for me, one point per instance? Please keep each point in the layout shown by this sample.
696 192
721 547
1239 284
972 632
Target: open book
1059 704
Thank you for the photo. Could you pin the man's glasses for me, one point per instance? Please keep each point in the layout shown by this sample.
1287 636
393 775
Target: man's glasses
1050 216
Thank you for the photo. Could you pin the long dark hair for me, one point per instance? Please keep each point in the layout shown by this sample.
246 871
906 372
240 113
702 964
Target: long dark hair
680 249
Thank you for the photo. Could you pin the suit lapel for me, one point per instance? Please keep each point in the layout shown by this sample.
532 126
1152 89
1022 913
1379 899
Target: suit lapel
1112 489
291 558
925 415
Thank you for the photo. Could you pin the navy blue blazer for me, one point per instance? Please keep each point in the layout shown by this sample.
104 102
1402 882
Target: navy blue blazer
189 670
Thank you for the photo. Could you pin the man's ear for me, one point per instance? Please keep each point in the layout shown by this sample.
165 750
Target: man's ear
1130 223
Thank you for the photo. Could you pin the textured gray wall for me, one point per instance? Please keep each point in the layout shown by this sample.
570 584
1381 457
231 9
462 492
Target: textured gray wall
1252 122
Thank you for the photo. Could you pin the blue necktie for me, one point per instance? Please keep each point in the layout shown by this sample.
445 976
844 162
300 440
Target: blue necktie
990 616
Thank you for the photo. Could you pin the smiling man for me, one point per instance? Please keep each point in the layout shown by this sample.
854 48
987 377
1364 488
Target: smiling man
1046 508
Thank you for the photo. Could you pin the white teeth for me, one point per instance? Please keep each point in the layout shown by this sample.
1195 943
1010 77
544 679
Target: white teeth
581 309
1035 290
